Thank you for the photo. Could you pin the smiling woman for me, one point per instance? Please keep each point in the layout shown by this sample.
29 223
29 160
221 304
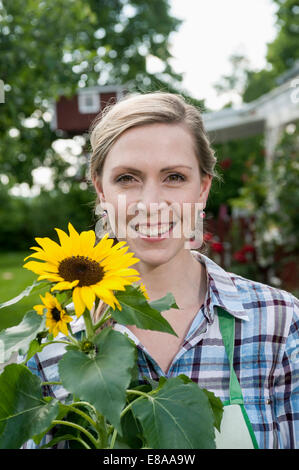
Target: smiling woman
235 337
152 150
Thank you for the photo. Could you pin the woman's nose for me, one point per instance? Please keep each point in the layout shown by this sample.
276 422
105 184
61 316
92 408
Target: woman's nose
151 200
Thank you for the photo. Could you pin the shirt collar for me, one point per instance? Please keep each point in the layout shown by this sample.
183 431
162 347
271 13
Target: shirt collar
221 291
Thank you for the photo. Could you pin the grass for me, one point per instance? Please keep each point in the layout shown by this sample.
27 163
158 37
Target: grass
13 280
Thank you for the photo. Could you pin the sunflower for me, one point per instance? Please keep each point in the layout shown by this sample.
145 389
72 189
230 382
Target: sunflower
56 317
89 270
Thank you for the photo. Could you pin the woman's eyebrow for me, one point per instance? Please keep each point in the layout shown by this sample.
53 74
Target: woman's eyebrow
134 170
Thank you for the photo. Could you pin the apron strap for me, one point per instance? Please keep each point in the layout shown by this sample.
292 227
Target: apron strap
227 330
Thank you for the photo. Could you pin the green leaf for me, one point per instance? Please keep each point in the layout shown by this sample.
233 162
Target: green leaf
154 383
132 433
23 410
137 311
104 376
165 303
19 337
215 402
37 285
217 408
34 348
62 411
176 416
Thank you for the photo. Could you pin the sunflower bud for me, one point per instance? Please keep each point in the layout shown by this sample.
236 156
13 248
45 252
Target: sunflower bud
87 346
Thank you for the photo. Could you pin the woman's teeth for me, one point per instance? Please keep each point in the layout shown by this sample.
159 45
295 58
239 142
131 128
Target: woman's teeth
153 231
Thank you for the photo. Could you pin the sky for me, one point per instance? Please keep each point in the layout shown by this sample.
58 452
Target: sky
211 32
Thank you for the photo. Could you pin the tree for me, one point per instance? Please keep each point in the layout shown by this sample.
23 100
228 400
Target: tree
51 47
282 53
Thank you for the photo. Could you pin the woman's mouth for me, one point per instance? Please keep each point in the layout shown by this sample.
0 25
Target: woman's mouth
153 232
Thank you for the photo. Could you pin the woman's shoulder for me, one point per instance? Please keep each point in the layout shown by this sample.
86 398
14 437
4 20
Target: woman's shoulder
270 310
270 305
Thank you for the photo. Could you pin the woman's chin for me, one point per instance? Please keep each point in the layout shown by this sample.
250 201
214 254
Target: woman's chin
155 253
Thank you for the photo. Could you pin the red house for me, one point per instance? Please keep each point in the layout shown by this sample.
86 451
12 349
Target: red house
74 115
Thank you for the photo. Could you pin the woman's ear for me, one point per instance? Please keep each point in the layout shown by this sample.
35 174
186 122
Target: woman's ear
206 182
99 189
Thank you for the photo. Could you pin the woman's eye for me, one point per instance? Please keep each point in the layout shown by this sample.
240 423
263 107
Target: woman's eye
176 177
124 179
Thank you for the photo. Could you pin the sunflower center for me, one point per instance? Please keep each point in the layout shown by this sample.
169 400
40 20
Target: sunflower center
86 270
55 314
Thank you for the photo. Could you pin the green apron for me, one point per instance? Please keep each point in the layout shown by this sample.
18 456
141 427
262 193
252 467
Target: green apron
236 430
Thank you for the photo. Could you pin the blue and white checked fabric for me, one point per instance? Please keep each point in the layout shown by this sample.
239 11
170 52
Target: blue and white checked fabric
266 356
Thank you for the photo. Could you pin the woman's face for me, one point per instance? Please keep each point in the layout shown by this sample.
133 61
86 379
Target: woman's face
150 184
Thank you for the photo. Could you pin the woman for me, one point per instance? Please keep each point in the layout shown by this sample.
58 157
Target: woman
151 156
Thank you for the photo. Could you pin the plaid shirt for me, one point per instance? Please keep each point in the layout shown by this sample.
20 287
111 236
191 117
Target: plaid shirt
266 355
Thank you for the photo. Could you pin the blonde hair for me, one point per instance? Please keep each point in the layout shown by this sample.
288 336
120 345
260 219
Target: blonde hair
143 109
149 108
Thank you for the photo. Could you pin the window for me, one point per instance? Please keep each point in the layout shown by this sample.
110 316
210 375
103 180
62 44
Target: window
89 102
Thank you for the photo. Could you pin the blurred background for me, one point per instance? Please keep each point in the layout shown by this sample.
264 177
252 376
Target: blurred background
62 61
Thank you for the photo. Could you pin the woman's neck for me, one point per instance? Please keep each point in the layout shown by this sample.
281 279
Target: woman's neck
183 276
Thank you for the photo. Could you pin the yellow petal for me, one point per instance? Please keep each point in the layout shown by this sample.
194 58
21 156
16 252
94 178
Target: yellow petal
87 241
115 283
102 248
64 285
88 296
49 300
39 309
50 277
78 302
52 248
73 232
50 268
63 328
34 266
44 256
126 272
63 237
105 295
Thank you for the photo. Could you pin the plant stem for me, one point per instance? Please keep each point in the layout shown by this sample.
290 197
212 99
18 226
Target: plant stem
124 411
138 392
51 383
102 430
71 335
88 324
113 439
79 428
81 441
55 341
84 415
102 320
84 403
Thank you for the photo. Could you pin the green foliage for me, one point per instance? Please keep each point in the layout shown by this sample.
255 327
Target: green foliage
51 47
13 281
137 311
272 197
107 407
23 219
176 415
234 160
18 338
283 51
99 384
23 410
